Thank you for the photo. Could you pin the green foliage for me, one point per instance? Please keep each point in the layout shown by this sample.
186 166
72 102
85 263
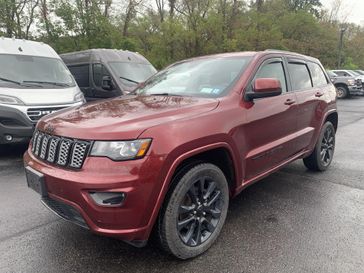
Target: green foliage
181 29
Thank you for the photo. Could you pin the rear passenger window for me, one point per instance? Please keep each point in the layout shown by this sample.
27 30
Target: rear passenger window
273 70
300 76
318 76
81 74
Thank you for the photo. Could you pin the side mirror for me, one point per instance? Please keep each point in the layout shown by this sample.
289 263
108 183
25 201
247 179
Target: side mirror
265 87
107 83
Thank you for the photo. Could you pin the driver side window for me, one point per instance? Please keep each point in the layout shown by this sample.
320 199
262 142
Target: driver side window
99 71
273 70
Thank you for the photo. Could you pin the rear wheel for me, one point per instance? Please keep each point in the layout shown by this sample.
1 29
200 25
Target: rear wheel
195 211
342 92
322 155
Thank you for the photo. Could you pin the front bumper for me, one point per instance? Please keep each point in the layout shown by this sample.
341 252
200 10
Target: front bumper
356 90
68 194
15 124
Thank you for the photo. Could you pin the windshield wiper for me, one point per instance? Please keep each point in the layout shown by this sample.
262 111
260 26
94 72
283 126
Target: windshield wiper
51 83
8 80
165 94
129 80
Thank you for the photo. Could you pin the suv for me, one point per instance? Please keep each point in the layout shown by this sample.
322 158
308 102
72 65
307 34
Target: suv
169 156
346 85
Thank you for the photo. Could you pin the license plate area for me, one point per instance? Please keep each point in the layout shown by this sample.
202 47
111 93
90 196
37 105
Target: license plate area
35 181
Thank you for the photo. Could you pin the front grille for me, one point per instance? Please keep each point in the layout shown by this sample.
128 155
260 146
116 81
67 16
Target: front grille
61 151
65 211
36 114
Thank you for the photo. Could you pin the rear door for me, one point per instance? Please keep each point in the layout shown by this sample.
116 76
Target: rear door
311 86
271 123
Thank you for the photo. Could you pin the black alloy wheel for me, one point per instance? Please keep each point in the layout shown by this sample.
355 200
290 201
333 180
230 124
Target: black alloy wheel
327 146
194 211
199 212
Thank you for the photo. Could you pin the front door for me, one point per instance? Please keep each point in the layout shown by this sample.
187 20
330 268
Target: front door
271 124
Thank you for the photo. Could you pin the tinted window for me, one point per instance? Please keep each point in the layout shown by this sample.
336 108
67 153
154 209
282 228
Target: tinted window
300 76
318 76
99 71
273 70
81 74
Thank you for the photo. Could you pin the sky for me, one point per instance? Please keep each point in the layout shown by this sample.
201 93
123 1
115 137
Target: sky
352 9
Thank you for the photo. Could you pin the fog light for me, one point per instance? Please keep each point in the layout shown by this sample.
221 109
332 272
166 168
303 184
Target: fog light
108 199
8 137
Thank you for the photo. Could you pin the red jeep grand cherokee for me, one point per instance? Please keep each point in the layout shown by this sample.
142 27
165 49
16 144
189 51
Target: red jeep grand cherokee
170 156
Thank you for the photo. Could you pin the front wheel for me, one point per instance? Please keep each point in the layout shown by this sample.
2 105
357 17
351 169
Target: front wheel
342 92
322 155
194 213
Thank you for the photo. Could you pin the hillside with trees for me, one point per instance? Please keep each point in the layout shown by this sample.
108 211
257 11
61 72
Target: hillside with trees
169 30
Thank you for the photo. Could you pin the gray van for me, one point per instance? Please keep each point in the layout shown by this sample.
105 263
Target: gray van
107 73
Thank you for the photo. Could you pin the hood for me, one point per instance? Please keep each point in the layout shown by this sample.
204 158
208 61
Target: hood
124 117
42 96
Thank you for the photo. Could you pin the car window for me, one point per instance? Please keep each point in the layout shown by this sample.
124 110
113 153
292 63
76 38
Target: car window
99 71
81 74
300 76
318 76
342 73
273 70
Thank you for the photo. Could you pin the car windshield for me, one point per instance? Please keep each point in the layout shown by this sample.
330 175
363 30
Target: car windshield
20 71
361 72
206 77
133 72
355 73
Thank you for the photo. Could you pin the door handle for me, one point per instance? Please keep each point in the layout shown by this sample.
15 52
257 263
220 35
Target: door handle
289 102
319 94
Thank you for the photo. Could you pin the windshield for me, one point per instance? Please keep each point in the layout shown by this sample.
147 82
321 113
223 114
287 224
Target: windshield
208 77
19 71
133 72
361 72
355 73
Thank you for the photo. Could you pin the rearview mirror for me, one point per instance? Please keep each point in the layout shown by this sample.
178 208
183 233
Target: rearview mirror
265 87
107 83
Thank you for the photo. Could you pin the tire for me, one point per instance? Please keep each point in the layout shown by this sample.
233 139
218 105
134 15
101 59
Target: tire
342 92
194 212
321 157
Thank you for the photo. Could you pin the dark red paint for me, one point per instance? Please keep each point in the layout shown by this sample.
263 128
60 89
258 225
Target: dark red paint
260 136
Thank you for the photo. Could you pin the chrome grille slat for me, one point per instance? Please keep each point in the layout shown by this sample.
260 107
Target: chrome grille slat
44 146
60 151
37 145
52 149
63 153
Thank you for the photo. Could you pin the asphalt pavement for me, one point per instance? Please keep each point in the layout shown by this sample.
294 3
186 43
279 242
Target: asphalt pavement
293 221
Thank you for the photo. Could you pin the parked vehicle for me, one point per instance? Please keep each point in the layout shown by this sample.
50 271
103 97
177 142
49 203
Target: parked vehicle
346 85
169 156
361 72
33 82
107 73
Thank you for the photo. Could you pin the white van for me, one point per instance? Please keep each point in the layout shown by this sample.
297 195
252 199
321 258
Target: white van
34 82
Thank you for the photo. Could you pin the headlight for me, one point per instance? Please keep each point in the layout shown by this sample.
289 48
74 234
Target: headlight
79 97
351 82
121 150
10 100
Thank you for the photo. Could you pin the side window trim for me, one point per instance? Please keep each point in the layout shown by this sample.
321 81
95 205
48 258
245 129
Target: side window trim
300 62
271 60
